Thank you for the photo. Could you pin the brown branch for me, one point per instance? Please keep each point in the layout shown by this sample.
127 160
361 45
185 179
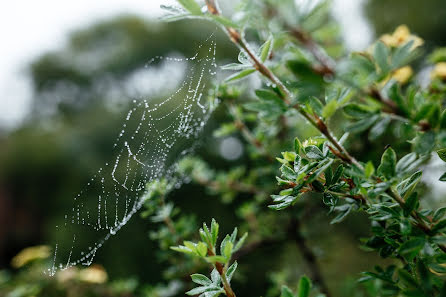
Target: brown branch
420 223
221 270
286 96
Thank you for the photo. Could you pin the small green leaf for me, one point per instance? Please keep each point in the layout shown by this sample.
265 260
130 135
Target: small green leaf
410 248
214 231
265 49
231 270
442 177
202 249
313 152
239 75
304 287
297 145
442 154
439 214
329 109
191 6
227 251
223 21
362 124
286 292
439 227
381 55
388 164
200 279
404 165
338 174
369 169
357 111
411 204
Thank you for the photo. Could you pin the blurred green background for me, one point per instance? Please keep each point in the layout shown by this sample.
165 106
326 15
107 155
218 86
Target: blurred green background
46 160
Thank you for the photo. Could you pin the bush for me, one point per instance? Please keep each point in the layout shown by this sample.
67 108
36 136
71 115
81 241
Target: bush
310 86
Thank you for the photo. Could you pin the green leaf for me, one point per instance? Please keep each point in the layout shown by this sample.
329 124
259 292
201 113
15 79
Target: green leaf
227 251
439 214
344 210
358 111
402 55
442 154
304 287
240 242
443 120
313 152
200 279
405 164
270 96
439 227
287 172
442 177
412 247
381 55
297 145
408 185
191 6
202 249
223 21
286 292
231 270
369 169
214 231
265 49
362 124
239 75
338 174
407 279
379 128
438 268
215 259
329 109
388 163
411 204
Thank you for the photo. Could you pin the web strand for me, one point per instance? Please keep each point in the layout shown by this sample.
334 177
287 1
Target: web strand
154 135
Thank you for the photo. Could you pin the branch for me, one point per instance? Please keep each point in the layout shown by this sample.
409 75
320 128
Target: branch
286 96
221 270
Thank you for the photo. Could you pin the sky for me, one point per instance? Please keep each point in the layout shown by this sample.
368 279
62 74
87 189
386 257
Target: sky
30 28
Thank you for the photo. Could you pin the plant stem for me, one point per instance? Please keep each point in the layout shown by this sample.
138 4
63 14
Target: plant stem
221 270
286 96
420 223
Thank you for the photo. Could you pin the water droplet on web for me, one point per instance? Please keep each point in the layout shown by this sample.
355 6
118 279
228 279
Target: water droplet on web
154 135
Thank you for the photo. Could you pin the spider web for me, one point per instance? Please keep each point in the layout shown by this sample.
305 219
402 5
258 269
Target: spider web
154 136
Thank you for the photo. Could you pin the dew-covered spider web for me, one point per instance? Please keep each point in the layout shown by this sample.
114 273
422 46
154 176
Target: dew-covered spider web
155 135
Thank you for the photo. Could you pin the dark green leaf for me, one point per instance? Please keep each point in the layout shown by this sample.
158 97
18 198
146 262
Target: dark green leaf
442 154
410 248
362 124
439 227
358 111
304 287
